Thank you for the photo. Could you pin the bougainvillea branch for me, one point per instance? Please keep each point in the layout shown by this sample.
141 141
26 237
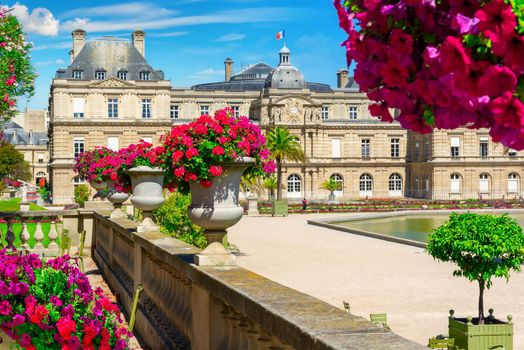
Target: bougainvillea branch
16 72
441 64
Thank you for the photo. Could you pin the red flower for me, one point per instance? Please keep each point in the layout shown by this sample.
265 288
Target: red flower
180 171
177 155
215 170
65 327
218 150
206 183
380 110
190 153
39 313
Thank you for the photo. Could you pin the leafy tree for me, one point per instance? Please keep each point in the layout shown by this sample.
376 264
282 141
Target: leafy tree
482 246
12 163
331 185
16 72
270 183
174 221
284 146
81 194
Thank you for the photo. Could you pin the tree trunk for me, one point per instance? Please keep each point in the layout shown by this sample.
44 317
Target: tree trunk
279 178
482 286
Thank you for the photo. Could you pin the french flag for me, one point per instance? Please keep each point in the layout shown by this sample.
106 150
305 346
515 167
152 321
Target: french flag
280 35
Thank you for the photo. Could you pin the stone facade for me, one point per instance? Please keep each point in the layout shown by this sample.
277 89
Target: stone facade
371 159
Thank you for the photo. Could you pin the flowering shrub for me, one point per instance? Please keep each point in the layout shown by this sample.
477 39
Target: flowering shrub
195 151
52 306
141 154
94 165
16 73
442 64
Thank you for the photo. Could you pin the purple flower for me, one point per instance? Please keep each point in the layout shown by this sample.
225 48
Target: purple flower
5 307
55 300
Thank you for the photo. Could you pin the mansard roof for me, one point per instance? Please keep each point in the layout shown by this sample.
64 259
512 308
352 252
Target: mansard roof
111 55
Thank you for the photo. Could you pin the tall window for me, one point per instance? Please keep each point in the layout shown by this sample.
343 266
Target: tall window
455 147
122 75
395 148
173 112
100 75
365 183
112 108
77 180
484 146
146 108
353 112
513 183
204 110
236 111
455 183
395 182
78 107
78 74
335 148
294 186
40 175
365 145
325 112
145 75
78 145
484 183
113 143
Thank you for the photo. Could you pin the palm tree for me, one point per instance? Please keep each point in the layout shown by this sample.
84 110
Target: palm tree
283 146
270 183
331 185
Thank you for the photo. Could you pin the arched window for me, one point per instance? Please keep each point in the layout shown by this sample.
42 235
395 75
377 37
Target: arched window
513 183
39 176
366 185
456 183
395 184
484 182
340 184
294 186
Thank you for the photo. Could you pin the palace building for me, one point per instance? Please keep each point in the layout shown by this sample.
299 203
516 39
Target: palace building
110 96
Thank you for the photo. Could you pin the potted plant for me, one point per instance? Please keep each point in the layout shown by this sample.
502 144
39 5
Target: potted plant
138 169
442 64
483 247
208 158
51 305
93 167
331 185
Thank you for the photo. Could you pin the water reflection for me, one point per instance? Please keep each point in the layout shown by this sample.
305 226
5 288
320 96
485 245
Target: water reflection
415 228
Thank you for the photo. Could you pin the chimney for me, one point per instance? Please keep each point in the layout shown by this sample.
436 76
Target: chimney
79 37
342 78
139 41
228 63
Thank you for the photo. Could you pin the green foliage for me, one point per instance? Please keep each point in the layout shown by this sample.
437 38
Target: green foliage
44 193
482 246
15 65
331 185
174 221
12 163
81 194
284 146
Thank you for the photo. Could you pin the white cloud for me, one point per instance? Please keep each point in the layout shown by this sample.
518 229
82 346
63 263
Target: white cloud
231 37
59 45
167 35
48 63
121 10
253 15
208 73
39 21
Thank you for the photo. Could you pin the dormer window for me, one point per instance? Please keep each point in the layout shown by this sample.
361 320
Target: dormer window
145 75
122 75
100 75
78 74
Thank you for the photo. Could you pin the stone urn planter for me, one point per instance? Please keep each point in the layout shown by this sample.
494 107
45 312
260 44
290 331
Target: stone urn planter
117 198
98 187
216 208
470 336
147 194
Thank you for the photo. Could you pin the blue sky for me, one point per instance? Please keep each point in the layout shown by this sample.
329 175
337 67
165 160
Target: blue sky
189 39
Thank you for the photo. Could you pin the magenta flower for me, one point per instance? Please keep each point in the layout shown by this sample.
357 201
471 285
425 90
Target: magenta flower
5 307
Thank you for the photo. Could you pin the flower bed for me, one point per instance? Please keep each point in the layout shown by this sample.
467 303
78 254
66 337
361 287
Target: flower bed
51 305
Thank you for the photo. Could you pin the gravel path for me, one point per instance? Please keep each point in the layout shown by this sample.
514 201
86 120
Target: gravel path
372 275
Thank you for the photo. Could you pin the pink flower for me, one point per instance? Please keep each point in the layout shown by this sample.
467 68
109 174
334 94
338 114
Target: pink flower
192 152
177 155
508 111
180 171
65 327
215 170
497 80
218 150
11 80
496 20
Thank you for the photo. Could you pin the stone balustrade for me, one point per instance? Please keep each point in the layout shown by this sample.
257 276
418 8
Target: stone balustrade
185 306
39 230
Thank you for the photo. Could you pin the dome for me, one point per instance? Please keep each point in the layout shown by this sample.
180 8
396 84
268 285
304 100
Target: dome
286 77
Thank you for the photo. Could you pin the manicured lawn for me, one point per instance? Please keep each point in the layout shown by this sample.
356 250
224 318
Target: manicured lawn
14 205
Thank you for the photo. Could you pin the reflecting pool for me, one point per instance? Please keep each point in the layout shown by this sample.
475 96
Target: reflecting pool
412 227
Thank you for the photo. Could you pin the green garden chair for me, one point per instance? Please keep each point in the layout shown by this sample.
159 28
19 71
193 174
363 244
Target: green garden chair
442 343
380 319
